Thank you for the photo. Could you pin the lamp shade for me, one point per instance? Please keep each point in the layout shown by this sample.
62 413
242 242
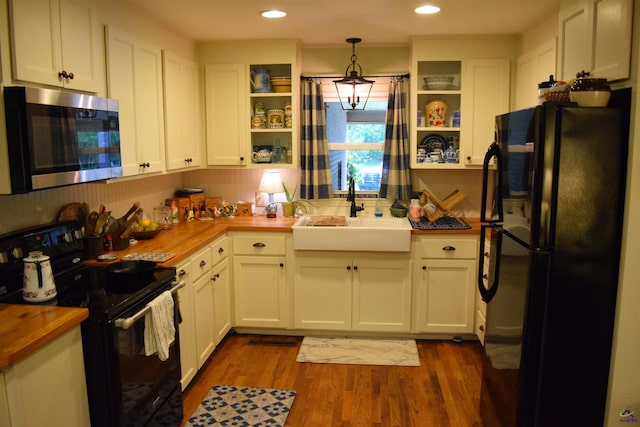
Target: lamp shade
271 182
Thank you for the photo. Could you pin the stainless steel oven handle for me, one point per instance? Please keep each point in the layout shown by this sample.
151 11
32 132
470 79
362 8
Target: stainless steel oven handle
126 322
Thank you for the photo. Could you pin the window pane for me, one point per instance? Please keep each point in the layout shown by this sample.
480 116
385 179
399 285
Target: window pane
358 128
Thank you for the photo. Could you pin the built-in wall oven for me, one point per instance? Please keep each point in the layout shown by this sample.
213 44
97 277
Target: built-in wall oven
125 386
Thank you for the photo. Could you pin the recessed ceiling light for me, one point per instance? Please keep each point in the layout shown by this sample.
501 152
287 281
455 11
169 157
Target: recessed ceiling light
273 13
427 9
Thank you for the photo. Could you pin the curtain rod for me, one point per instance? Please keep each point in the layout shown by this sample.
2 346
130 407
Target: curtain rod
367 76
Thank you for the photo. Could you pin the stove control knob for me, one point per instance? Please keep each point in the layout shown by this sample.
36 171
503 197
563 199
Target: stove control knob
77 234
68 237
16 253
4 258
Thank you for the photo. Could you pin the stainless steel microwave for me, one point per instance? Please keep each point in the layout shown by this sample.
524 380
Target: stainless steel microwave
57 138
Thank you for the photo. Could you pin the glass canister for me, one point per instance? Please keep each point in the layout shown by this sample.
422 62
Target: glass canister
436 113
275 118
163 216
415 210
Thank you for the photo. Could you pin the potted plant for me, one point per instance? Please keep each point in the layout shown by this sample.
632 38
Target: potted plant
291 206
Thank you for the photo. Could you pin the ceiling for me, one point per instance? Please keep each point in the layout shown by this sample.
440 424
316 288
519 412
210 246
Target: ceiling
330 22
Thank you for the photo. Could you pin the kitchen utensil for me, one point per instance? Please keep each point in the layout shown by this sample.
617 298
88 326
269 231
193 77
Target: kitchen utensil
38 284
101 221
90 226
131 210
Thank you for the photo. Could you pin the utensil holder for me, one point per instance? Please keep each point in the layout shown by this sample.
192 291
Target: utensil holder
120 244
93 247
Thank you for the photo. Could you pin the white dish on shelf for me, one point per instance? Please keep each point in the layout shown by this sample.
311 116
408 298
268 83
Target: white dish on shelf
438 82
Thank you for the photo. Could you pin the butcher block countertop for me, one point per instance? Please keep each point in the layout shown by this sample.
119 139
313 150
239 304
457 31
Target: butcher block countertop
26 328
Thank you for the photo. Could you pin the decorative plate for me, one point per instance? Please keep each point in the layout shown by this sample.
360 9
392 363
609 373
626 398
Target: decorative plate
434 142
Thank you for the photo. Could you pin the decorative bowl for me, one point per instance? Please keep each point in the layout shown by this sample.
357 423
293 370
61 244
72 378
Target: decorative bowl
142 235
281 84
399 212
438 82
591 98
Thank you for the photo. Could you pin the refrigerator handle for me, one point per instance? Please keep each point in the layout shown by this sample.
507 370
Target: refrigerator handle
488 291
493 151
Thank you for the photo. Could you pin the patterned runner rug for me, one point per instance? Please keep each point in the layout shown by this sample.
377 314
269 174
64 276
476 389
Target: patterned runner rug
355 351
228 405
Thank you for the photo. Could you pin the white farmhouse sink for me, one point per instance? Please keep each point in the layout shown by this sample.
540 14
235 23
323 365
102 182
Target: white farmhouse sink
358 234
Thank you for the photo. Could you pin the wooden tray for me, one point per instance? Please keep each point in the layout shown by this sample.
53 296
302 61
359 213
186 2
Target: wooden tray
326 221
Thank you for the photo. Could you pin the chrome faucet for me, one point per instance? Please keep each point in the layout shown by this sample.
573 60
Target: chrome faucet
351 197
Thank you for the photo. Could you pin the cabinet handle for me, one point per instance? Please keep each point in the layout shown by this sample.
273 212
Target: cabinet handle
282 264
485 276
355 267
215 277
348 267
486 254
220 250
203 263
181 273
259 245
449 248
66 75
145 165
241 158
481 327
424 267
469 158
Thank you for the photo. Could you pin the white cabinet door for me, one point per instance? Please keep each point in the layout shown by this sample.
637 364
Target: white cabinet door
182 106
135 79
48 387
595 36
221 277
203 295
486 95
54 38
381 295
260 291
226 115
444 295
188 354
323 293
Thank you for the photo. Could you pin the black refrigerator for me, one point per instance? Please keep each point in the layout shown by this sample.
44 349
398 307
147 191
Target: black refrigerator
552 212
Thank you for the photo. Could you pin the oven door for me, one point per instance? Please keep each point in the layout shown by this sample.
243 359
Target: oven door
148 386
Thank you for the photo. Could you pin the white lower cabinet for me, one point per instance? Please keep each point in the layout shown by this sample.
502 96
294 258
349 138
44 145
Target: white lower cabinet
444 277
47 387
205 305
340 292
260 280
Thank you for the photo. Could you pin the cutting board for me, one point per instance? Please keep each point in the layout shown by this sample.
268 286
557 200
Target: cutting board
326 221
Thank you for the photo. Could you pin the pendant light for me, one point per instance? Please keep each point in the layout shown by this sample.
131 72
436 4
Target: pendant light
353 88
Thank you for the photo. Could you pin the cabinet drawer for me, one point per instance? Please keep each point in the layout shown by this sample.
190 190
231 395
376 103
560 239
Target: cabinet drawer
448 248
201 263
220 249
259 245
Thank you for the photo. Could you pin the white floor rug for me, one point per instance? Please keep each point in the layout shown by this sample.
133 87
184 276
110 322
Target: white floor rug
355 351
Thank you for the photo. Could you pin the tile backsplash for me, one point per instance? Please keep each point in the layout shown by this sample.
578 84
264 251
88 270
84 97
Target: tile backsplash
233 185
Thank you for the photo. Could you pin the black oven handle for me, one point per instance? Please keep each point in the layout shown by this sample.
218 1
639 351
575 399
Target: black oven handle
125 323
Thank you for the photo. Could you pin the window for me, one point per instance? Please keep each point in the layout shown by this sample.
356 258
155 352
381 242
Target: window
356 145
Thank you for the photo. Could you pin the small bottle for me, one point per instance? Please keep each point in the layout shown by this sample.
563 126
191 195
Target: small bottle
108 243
414 210
378 211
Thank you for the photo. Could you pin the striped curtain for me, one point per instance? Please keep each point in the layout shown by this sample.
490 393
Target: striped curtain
396 177
315 179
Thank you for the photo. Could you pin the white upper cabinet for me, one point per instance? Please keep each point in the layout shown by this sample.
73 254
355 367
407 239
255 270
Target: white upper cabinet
595 36
182 107
56 43
134 78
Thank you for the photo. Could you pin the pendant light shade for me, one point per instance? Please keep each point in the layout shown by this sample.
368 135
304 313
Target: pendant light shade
353 90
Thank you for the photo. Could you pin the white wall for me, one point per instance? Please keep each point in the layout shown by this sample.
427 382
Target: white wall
624 377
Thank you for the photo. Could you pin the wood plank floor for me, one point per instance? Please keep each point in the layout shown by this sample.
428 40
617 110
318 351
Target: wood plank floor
442 392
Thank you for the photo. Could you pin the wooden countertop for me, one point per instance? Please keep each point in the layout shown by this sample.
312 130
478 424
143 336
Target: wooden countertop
26 328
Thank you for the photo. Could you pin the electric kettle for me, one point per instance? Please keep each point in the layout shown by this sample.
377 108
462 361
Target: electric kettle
38 284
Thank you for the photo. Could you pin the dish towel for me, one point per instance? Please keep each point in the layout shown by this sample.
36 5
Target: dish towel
159 330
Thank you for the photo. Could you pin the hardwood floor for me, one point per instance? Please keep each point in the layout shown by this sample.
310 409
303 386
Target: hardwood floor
442 392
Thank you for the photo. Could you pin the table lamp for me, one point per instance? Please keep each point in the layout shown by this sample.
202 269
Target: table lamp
270 183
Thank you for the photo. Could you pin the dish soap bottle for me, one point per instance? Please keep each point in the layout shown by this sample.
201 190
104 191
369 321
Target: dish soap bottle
378 211
414 210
